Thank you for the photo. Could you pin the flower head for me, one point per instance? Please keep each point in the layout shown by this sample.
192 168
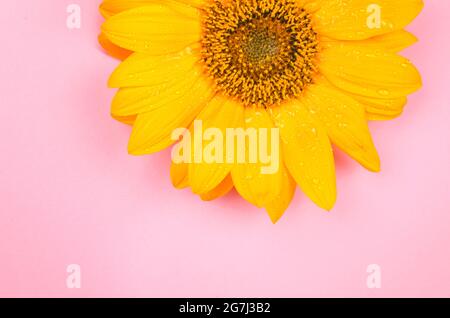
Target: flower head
315 70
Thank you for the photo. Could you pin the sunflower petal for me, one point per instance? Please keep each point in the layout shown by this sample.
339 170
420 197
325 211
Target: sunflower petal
392 42
249 180
221 190
278 206
363 71
220 113
141 69
351 19
179 175
128 120
345 121
380 117
382 109
108 8
153 130
112 49
154 29
307 153
130 101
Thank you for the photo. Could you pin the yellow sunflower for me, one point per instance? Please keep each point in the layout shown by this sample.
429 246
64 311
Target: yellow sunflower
317 70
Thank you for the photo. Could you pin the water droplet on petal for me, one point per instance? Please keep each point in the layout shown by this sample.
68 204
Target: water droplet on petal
383 92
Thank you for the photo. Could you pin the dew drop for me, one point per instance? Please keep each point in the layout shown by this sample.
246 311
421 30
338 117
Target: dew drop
383 92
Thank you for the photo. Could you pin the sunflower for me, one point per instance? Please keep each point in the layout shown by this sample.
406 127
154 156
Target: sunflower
318 70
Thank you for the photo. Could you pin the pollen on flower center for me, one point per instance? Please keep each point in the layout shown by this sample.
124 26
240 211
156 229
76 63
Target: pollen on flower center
259 45
261 52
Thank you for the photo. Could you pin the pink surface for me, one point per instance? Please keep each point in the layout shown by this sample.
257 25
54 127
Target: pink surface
70 194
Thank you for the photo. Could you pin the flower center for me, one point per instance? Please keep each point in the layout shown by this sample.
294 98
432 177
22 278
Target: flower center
261 52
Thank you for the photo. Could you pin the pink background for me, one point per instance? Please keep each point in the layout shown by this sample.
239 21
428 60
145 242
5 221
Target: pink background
70 194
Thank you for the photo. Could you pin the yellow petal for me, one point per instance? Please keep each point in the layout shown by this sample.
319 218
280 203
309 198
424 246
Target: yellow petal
278 206
380 117
221 190
363 71
141 69
220 113
153 130
179 175
108 8
249 180
307 152
128 120
112 49
155 29
382 109
345 121
392 42
130 101
357 19
310 6
195 3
